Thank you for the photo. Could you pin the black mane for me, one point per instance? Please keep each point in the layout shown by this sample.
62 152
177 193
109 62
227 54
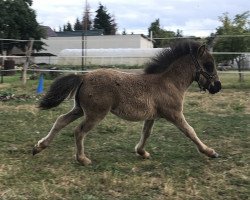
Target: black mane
167 56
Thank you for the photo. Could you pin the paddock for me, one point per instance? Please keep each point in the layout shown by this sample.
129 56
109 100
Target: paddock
174 171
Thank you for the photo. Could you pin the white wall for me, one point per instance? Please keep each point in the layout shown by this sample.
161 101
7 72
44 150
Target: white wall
118 41
104 57
56 44
144 43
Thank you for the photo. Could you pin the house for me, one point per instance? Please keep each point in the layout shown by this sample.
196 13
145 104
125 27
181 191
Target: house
58 41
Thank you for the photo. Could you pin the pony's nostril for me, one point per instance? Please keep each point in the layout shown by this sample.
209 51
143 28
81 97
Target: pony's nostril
217 84
216 87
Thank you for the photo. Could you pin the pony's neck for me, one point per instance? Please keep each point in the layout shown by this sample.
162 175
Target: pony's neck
181 73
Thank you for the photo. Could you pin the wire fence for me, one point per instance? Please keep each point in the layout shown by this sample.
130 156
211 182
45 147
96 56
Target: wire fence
84 71
108 60
229 79
69 53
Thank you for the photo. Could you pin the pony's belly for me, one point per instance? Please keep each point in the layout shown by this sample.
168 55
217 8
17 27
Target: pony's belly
134 115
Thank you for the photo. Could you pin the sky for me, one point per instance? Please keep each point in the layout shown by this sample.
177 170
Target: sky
193 17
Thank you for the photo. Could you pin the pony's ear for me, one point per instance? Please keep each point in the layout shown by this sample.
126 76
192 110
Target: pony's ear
201 51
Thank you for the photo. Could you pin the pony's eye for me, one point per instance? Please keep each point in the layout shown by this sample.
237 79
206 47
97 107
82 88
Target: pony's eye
209 66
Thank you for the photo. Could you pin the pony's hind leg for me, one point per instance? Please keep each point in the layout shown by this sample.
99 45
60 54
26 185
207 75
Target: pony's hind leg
139 148
80 133
60 123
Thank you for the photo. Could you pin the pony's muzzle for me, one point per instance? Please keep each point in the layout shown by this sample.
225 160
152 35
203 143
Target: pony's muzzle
214 88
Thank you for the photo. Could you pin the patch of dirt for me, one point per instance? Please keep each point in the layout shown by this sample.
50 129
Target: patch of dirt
4 85
10 96
29 108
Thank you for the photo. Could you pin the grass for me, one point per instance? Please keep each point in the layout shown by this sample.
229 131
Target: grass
175 171
230 81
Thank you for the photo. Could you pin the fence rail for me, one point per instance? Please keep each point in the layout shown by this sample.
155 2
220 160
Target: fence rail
112 59
86 56
83 71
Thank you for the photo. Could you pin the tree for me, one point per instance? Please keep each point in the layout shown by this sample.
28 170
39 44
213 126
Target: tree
64 28
78 25
68 27
233 36
104 21
113 25
18 21
179 33
124 32
158 32
86 20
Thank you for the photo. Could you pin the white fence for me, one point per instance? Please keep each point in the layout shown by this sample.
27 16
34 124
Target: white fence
102 57
105 57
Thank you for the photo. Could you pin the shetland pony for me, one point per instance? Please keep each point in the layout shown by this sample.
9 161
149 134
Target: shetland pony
157 93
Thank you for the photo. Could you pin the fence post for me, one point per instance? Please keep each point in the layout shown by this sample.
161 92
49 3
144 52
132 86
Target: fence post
29 48
2 64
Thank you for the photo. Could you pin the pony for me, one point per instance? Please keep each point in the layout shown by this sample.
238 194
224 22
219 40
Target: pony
158 92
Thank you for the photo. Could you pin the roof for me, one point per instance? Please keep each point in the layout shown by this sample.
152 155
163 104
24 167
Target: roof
48 31
93 32
36 54
146 37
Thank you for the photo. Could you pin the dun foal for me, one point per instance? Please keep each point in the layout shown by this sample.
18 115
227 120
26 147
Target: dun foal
157 93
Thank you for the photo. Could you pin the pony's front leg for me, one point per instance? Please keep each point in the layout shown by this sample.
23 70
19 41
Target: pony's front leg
182 124
139 148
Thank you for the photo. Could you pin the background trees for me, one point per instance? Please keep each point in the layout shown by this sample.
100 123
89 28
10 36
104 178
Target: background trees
18 21
78 25
68 27
103 20
233 36
86 21
161 33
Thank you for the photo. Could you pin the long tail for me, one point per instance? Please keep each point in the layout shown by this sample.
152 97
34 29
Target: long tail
59 90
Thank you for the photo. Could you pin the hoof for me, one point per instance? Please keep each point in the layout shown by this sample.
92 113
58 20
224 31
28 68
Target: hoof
210 153
144 154
84 161
37 150
215 155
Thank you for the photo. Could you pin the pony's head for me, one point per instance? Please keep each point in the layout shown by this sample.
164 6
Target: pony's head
206 74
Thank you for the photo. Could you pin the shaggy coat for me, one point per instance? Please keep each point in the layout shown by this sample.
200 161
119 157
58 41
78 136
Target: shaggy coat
156 93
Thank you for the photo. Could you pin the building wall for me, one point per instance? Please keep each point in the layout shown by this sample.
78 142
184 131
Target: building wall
57 44
118 41
108 57
144 43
